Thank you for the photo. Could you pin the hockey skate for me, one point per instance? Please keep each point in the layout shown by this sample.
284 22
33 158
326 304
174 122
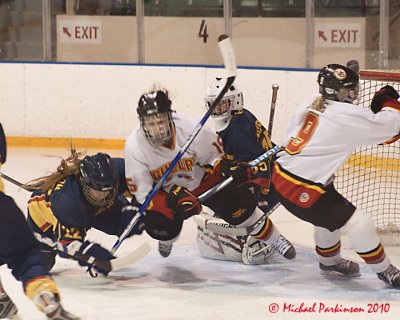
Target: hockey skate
344 267
284 247
164 248
391 276
255 252
51 306
7 307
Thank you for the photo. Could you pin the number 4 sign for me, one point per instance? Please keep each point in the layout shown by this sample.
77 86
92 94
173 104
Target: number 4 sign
203 31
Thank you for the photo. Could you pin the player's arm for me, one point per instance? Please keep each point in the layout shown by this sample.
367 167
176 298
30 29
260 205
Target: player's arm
138 178
71 227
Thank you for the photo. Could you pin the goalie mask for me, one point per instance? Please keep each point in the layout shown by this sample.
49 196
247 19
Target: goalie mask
155 114
99 179
231 101
339 83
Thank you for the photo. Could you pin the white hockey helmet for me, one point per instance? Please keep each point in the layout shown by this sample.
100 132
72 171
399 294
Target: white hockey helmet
231 101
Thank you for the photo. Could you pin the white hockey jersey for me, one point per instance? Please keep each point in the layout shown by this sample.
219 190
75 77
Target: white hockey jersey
145 164
319 143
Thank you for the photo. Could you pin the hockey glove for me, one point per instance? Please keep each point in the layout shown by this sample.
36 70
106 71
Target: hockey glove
382 96
127 214
183 201
240 171
97 251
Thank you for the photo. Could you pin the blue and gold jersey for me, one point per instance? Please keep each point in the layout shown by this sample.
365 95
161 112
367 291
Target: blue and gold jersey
63 213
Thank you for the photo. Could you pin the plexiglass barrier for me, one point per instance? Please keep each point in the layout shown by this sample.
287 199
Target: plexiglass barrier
265 33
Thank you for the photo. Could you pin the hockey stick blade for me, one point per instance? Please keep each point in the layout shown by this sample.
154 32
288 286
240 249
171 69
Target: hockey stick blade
131 258
228 56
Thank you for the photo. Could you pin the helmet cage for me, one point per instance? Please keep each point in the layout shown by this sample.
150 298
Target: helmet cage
230 102
98 198
158 128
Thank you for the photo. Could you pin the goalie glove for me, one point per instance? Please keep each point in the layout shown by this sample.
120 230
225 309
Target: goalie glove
183 201
384 95
240 171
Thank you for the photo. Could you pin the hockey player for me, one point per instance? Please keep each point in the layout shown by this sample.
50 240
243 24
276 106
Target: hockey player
245 138
82 194
326 129
150 149
21 252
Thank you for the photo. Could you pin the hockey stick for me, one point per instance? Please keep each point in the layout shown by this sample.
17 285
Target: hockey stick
111 265
15 182
275 88
205 195
228 56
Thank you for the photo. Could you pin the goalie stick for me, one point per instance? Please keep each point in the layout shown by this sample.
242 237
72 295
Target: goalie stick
228 56
111 265
275 88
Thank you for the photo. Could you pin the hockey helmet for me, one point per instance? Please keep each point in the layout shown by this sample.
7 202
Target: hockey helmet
155 115
231 101
99 179
339 83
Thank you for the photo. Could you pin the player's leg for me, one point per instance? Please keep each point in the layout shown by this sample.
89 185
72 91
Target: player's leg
364 238
20 251
164 226
327 246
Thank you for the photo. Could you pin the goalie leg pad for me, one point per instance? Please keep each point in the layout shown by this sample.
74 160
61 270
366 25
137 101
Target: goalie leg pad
219 244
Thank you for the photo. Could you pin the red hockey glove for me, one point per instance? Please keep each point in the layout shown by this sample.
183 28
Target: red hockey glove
382 96
240 171
183 201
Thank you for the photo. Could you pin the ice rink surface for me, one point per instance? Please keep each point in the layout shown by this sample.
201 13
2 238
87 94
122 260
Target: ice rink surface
188 286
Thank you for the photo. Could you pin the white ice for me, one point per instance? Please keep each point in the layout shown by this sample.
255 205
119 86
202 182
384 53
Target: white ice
188 286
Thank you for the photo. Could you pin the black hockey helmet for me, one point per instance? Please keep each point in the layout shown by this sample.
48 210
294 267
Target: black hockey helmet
155 114
99 179
339 83
154 102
